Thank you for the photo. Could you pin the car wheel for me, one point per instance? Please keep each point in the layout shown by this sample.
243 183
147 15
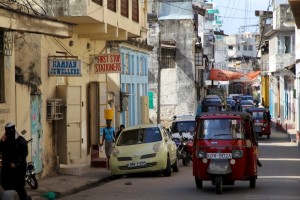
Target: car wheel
175 167
168 170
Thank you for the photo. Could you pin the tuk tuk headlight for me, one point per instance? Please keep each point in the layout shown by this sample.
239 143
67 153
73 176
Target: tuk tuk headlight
237 154
201 154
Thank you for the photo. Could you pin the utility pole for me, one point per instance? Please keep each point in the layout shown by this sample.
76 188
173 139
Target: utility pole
158 76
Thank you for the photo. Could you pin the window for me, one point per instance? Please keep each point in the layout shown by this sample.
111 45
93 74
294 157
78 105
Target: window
126 59
198 58
230 47
286 44
99 2
112 5
135 10
124 8
2 67
141 66
245 47
167 58
239 48
250 48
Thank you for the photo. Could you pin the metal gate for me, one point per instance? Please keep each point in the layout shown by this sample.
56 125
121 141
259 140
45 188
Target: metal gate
36 131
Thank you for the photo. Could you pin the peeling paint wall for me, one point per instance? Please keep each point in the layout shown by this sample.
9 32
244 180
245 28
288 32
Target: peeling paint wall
178 83
32 53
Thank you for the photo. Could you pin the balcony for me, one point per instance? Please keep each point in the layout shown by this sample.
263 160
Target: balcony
101 19
284 16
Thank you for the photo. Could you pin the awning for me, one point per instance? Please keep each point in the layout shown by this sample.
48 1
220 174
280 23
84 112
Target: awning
223 75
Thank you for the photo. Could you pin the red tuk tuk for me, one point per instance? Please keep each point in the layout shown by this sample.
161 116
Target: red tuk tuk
225 149
262 121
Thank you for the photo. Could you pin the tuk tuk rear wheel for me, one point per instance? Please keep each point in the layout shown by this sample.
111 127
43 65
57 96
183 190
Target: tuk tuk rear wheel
268 136
199 183
252 182
219 184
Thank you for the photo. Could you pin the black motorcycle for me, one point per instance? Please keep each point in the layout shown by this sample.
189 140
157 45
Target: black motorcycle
30 175
183 151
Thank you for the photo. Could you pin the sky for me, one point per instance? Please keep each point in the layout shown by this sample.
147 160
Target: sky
238 13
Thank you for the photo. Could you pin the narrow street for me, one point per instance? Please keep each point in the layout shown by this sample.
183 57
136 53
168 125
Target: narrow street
279 178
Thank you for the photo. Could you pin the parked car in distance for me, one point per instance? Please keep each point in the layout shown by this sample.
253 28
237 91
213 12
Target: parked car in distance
184 125
144 148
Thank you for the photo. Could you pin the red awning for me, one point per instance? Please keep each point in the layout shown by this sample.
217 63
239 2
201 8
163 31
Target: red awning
223 75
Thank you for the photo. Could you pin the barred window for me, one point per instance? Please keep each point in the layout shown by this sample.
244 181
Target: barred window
99 2
167 58
112 5
124 8
135 10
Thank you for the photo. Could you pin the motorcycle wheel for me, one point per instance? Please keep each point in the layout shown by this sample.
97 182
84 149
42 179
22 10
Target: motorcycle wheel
32 182
199 183
219 184
185 158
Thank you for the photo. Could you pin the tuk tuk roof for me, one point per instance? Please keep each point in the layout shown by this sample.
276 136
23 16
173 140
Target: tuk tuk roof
224 114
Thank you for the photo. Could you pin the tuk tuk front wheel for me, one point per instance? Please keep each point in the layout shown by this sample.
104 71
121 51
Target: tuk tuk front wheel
252 182
199 183
219 184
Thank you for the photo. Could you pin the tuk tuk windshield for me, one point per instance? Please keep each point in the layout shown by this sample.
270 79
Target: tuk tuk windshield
221 129
258 115
212 108
183 126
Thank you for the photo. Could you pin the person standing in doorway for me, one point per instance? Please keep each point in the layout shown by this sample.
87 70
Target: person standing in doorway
108 138
14 151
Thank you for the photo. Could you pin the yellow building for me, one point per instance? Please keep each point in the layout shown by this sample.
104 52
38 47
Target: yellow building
58 93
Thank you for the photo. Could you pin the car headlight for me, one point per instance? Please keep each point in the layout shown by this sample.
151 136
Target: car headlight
157 147
201 154
116 151
237 154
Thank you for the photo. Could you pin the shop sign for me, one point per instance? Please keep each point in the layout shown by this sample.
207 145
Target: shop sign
107 63
64 67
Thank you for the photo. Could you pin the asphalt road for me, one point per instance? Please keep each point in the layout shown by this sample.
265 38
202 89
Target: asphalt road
279 178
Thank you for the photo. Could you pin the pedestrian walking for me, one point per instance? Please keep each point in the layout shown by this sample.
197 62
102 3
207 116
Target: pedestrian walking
108 139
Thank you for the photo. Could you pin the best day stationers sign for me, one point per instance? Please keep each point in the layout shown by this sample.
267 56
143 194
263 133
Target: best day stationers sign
107 63
64 67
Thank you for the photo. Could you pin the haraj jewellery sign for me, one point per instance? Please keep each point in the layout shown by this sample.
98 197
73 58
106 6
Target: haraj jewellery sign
64 67
107 63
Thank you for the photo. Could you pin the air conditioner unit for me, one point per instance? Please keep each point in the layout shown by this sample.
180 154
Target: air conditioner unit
54 109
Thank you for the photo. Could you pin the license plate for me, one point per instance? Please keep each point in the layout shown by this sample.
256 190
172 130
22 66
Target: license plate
137 164
218 155
258 124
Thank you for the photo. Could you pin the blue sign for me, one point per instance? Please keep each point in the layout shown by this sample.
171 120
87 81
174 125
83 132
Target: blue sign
64 67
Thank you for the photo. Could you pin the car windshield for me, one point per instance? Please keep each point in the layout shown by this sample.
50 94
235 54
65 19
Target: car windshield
139 136
258 115
183 126
221 129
